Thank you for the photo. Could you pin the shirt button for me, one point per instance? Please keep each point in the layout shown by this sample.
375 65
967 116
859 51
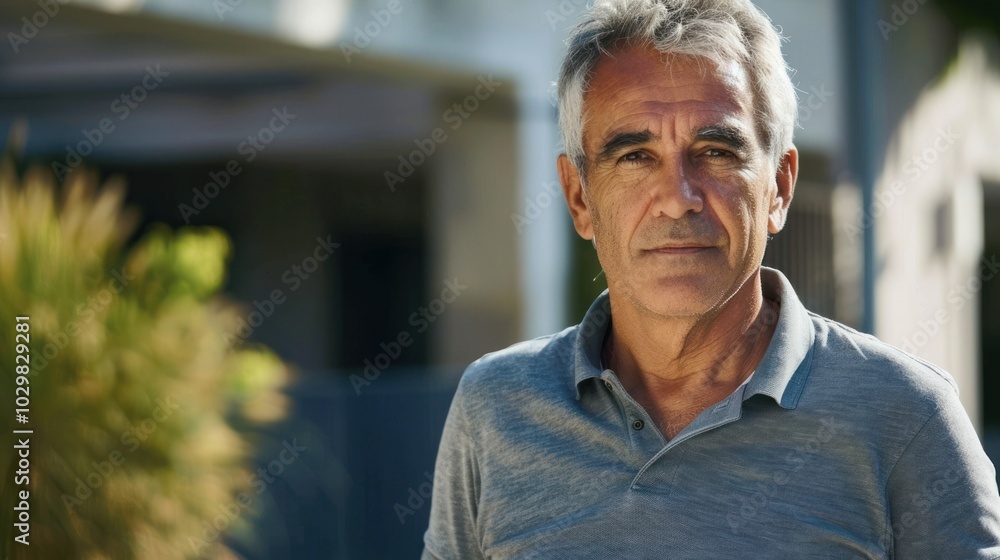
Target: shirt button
609 386
638 424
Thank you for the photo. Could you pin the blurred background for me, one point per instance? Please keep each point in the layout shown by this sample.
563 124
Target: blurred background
384 173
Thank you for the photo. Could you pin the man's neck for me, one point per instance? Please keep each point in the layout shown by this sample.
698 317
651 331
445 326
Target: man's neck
656 356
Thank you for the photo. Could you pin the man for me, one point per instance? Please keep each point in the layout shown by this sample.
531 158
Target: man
699 411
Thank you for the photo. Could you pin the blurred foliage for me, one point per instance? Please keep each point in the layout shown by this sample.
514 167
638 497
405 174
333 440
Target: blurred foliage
135 390
973 15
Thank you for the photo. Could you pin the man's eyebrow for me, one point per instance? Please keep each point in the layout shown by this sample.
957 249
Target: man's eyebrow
624 140
731 136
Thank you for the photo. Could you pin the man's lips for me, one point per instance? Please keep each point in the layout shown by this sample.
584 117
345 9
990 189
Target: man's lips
679 249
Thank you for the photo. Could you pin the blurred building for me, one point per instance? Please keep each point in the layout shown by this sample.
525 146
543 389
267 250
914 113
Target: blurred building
420 137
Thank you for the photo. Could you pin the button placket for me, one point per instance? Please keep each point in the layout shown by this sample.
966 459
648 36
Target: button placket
636 418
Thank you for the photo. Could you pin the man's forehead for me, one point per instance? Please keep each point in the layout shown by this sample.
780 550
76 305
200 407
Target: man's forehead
644 66
640 82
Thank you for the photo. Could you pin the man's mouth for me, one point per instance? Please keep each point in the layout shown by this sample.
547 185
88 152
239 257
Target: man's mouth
679 249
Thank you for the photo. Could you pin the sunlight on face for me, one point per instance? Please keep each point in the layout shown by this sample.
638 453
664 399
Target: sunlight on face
677 181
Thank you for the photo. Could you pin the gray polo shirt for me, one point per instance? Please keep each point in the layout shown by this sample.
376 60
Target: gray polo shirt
839 446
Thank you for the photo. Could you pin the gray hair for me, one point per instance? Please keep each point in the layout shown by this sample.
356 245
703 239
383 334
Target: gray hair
718 30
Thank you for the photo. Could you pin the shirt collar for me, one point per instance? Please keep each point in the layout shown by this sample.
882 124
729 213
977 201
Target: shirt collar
780 375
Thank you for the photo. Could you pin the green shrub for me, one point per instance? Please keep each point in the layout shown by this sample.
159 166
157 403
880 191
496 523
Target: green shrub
135 392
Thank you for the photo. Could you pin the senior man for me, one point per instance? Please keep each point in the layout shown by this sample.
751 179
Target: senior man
699 410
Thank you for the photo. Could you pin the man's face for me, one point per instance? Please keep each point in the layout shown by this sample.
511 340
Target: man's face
679 190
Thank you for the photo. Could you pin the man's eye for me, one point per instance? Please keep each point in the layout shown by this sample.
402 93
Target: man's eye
634 157
715 153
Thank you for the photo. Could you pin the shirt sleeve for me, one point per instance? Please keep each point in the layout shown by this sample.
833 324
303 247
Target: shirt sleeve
943 499
452 534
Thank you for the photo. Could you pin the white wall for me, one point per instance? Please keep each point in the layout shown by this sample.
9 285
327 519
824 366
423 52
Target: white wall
928 296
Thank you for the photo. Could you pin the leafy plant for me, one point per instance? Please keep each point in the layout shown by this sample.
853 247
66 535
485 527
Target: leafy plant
135 393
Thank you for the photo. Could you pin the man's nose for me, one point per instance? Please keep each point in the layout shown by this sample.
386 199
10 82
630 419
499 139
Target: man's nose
674 194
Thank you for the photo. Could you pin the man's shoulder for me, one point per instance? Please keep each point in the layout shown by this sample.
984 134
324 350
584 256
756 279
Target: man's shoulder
529 358
876 369
538 368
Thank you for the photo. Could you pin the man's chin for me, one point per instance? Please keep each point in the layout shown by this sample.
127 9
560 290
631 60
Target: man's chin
676 298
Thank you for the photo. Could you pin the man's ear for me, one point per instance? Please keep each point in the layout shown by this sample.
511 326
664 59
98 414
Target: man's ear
576 200
785 178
